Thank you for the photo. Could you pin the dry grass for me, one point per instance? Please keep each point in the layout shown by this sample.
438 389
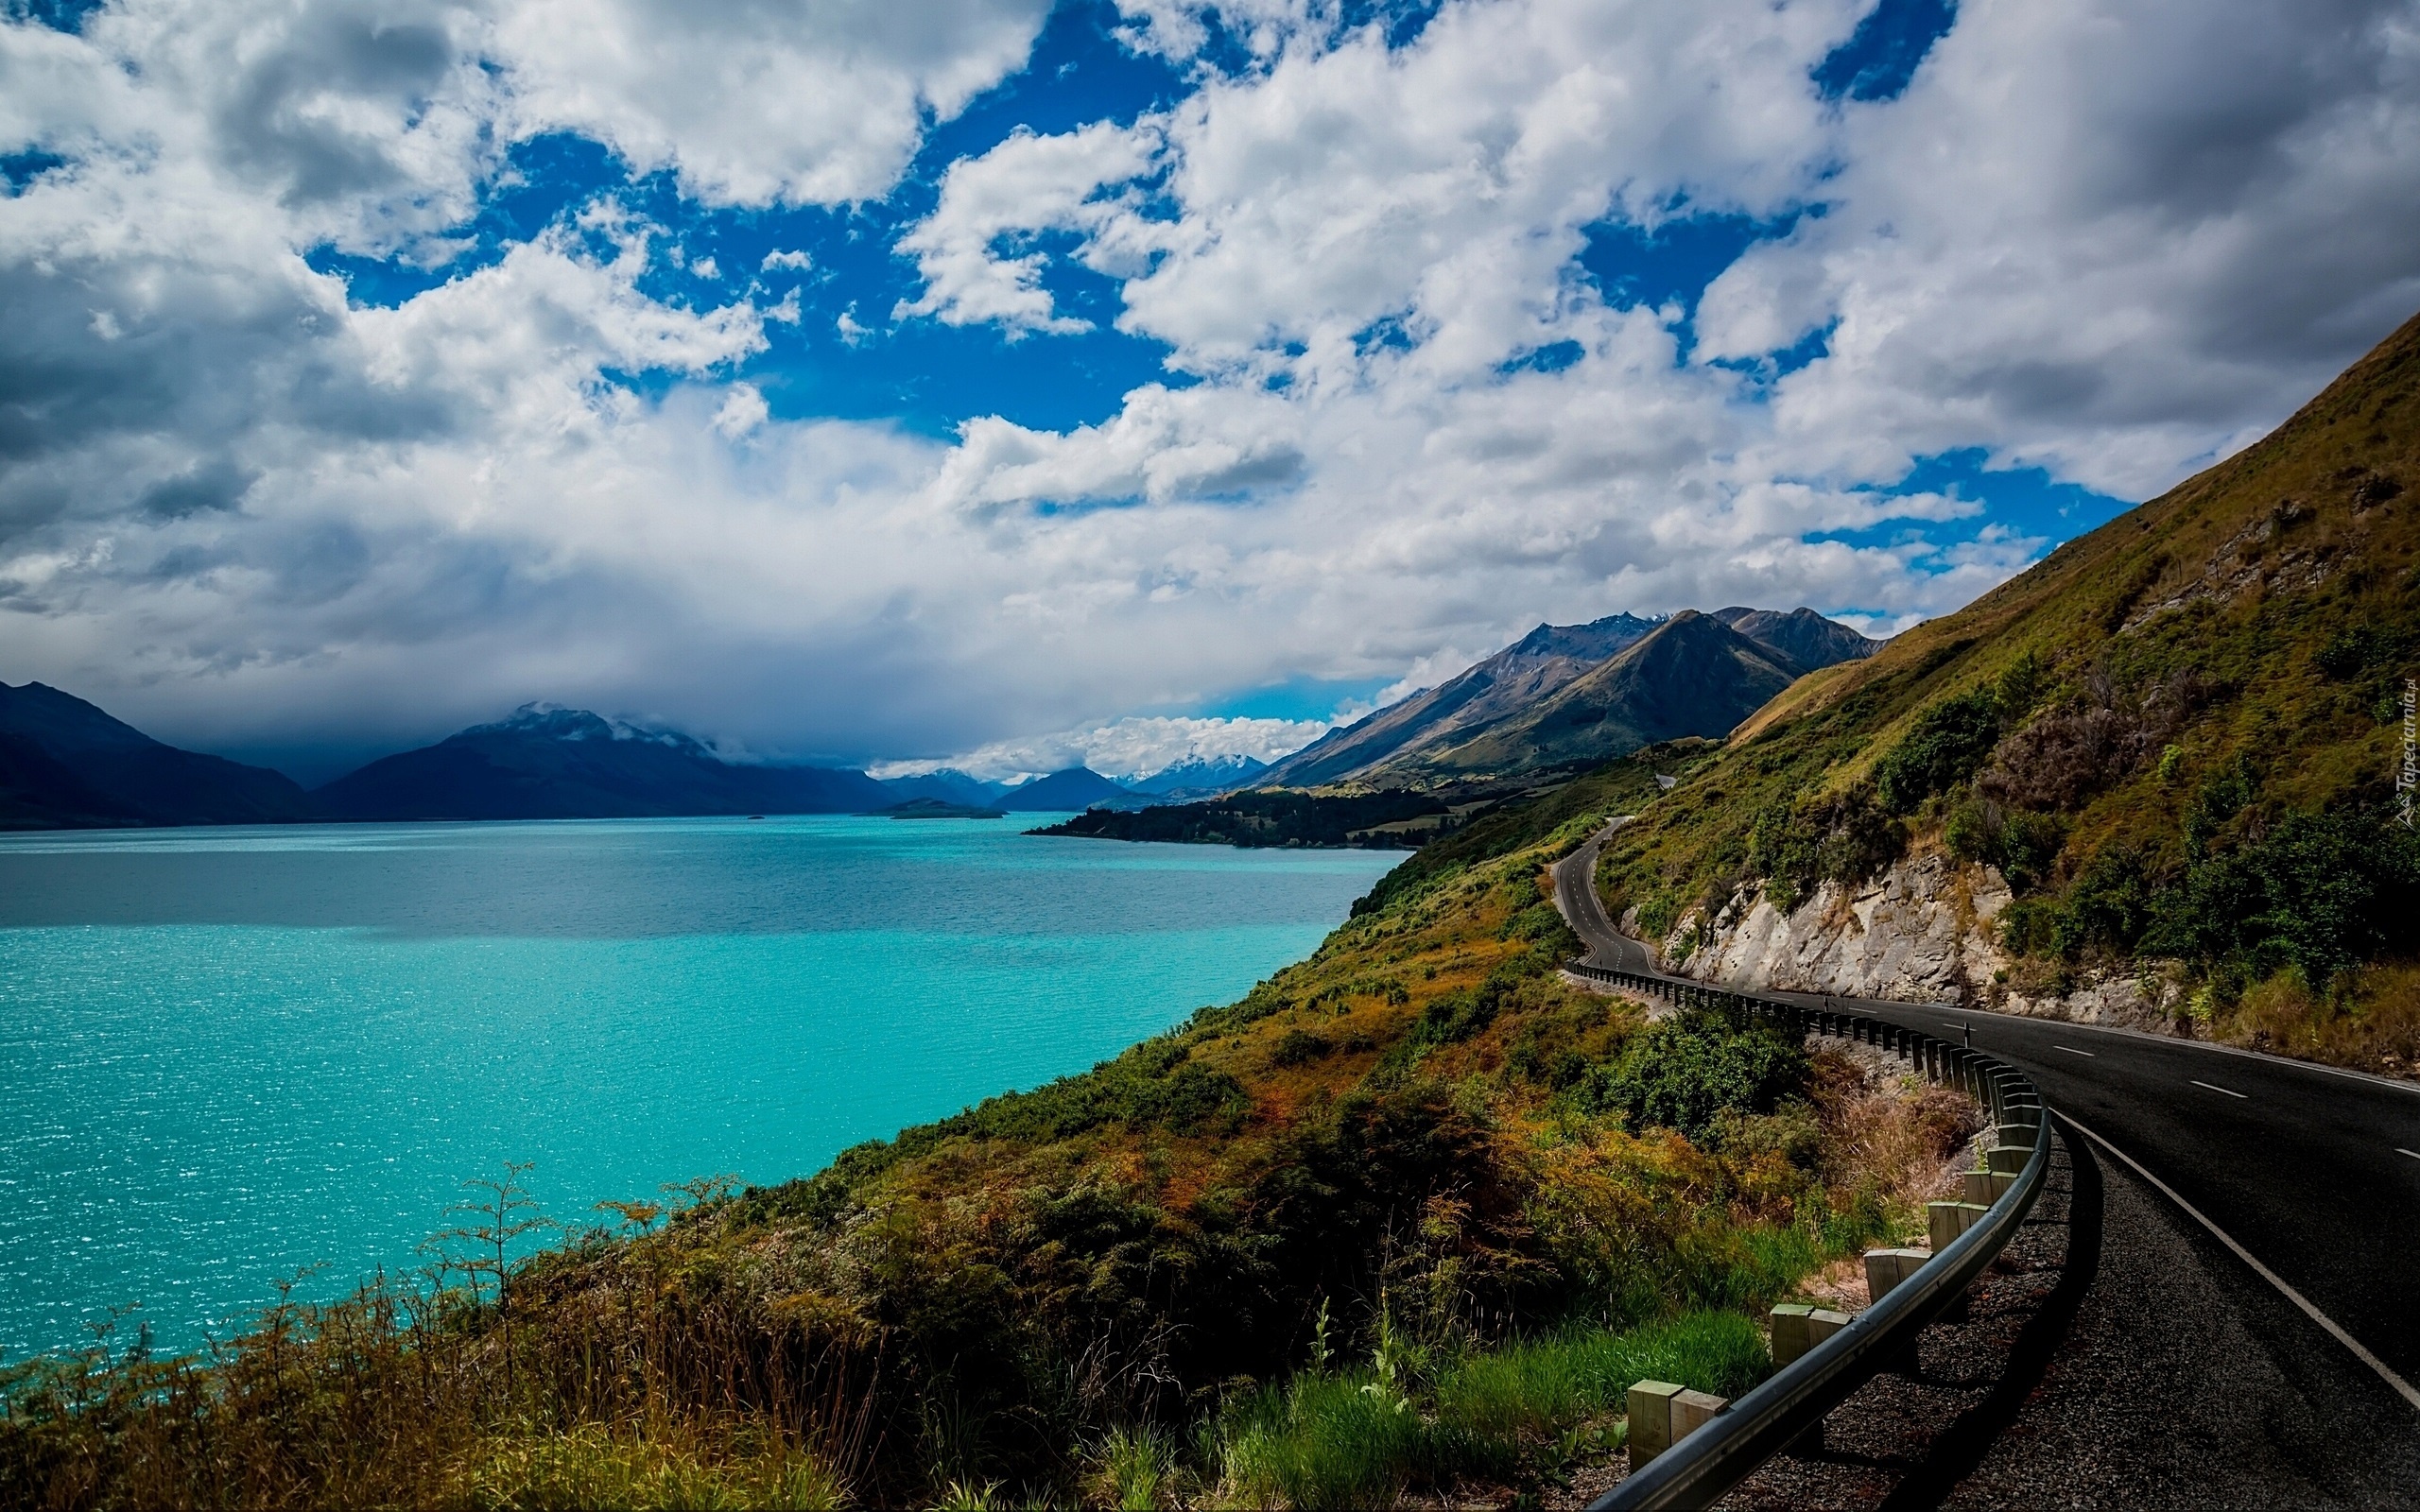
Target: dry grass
1887 1128
2370 1022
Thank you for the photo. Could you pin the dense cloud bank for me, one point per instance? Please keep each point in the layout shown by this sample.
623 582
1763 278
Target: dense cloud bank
1399 422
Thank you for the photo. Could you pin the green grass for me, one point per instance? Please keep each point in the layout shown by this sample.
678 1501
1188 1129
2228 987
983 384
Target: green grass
1357 1438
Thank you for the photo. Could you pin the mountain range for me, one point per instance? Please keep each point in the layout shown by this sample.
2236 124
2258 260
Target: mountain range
1578 694
563 764
1561 695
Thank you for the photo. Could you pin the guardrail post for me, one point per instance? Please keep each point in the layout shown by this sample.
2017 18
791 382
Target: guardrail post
2008 1158
1789 1332
1693 1410
1946 1221
1650 1419
1886 1268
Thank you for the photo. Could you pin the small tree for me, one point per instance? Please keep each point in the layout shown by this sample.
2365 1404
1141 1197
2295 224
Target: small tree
504 1215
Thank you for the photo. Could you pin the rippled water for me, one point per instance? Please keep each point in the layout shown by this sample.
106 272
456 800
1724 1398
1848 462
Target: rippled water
229 1055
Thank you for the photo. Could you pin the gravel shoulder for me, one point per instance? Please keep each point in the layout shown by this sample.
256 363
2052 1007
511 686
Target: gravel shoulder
2117 1357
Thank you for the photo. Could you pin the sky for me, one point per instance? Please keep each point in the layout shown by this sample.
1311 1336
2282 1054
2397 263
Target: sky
1002 383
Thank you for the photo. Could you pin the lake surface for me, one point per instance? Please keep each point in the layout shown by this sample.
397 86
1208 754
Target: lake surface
227 1055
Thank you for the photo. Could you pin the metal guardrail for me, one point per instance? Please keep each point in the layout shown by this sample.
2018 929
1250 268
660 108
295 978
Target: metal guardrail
1699 1469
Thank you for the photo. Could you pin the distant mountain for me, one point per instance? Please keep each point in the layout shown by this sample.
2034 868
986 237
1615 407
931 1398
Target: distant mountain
1199 777
1498 688
64 763
1694 676
1802 635
947 785
1077 788
1565 692
568 763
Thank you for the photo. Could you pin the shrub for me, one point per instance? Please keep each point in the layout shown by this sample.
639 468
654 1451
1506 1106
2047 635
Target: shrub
2357 649
2319 892
2108 905
2023 846
1948 742
1681 1073
1299 1047
1797 846
1360 1438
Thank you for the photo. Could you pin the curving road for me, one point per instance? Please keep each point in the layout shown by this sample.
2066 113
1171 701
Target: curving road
1575 895
2297 1187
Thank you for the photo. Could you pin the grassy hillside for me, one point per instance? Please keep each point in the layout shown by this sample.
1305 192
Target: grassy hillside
2177 737
1414 1214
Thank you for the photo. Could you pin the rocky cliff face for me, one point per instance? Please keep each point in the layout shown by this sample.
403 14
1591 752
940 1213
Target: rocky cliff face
1922 932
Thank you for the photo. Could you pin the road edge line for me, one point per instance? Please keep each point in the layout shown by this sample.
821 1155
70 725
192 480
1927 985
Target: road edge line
2385 1372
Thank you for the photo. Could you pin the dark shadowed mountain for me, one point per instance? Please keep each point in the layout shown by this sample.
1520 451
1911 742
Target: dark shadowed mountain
1694 676
1498 688
1802 635
1077 788
64 763
948 785
1525 707
568 763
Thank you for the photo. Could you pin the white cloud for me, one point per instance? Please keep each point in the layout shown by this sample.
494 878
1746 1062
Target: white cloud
1133 747
2110 238
1027 184
743 409
2119 239
759 100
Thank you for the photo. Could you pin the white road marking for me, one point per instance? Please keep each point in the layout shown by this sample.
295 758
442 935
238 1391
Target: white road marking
2400 1150
2402 1387
2073 1051
2216 1088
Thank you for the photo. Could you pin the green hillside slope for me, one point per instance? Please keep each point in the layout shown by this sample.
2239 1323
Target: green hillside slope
2178 738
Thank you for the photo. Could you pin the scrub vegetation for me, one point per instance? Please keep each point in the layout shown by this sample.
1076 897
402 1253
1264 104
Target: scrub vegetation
1408 1220
2176 739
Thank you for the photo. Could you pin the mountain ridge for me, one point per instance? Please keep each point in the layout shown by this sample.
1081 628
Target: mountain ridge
67 763
549 763
1414 741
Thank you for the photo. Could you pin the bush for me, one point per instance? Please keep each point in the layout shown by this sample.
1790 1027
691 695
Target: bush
1361 1437
1846 838
2023 846
1683 1072
1299 1047
2319 892
1948 744
2108 905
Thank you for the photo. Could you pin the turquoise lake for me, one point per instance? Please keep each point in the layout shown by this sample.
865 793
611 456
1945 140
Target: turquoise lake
228 1056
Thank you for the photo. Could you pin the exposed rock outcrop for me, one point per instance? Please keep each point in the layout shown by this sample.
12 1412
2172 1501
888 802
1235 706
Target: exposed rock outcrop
1923 932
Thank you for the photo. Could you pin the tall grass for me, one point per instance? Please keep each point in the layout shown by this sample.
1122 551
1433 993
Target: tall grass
1357 1439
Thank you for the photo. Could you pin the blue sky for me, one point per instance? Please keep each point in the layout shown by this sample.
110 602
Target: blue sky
965 379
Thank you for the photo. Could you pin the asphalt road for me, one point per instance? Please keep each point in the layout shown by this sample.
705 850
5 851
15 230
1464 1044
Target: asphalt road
1575 895
2308 1170
2309 1175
